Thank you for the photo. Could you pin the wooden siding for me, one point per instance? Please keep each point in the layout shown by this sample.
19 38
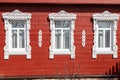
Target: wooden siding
63 1
40 64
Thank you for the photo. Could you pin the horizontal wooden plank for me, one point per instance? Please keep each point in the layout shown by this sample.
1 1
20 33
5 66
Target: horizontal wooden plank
63 2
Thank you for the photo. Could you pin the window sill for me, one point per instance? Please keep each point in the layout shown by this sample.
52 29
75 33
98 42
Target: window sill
18 52
114 53
104 51
62 52
7 53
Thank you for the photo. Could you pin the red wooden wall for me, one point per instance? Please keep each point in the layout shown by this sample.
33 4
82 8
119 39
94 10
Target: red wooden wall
40 64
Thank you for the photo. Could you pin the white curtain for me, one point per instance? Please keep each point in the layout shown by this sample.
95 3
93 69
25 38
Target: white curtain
100 39
14 38
57 39
21 39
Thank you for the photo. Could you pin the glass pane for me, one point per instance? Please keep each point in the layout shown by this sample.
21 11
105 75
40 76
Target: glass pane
17 24
100 39
107 38
14 38
104 24
58 39
62 23
66 39
21 39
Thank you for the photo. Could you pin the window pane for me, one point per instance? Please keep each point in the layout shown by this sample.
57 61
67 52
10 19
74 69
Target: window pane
66 39
14 38
17 24
107 38
104 24
21 39
62 23
58 39
100 39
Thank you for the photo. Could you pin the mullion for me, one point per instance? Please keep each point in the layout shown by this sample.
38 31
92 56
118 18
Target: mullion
103 38
18 38
62 38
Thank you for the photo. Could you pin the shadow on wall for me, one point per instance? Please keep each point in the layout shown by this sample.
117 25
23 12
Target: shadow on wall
114 70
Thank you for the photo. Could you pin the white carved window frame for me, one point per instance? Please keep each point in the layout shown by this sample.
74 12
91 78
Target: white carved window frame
105 16
16 15
62 15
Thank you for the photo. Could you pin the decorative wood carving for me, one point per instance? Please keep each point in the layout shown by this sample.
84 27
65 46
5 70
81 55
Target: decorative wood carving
16 15
62 15
105 16
83 38
40 38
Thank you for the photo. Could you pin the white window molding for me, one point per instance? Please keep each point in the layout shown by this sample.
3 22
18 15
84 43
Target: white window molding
83 38
16 15
40 38
106 16
62 16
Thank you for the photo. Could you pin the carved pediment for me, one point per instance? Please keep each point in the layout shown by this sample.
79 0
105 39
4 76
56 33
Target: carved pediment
106 15
16 14
62 15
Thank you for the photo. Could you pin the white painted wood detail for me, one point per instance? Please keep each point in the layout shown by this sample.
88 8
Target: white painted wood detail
62 15
83 38
40 38
105 16
15 16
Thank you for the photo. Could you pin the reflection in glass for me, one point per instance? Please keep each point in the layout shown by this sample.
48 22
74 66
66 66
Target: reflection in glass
62 23
17 24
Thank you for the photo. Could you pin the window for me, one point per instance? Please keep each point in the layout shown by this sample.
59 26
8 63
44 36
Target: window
18 29
104 34
62 38
62 34
105 26
17 26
